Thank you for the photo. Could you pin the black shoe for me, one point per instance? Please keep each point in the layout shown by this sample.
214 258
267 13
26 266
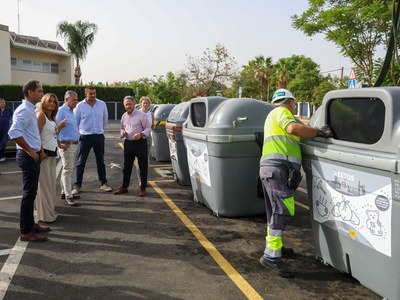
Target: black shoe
287 252
277 266
73 197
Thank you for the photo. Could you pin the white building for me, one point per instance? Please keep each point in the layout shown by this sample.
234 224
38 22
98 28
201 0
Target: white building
26 57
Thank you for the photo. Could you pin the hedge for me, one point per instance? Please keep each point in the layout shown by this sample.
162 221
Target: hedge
13 92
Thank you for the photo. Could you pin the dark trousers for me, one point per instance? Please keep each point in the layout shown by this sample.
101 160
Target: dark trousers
86 143
134 149
3 143
30 177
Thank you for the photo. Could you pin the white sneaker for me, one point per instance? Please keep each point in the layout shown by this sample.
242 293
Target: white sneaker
106 188
2 159
76 190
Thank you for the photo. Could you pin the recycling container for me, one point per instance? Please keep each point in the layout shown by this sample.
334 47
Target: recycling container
223 138
159 146
177 149
353 184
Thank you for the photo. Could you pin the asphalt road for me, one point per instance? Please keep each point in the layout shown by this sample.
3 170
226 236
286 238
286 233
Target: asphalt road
163 246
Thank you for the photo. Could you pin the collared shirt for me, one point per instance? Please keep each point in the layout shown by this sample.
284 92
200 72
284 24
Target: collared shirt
5 118
91 120
70 132
25 125
136 122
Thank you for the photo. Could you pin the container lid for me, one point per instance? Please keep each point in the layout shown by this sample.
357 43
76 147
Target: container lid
179 113
161 111
235 119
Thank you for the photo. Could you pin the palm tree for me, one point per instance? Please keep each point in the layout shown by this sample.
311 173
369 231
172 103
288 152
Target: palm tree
79 37
262 67
282 74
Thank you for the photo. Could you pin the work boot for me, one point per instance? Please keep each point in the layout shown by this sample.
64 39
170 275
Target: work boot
287 252
277 266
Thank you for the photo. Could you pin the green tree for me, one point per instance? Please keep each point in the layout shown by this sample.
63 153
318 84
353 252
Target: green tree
282 74
357 27
327 84
79 37
262 67
307 78
168 89
213 71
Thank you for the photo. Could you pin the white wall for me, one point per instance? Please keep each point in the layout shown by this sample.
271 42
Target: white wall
5 60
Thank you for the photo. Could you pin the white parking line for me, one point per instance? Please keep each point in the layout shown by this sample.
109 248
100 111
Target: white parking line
5 252
15 254
10 198
12 172
10 266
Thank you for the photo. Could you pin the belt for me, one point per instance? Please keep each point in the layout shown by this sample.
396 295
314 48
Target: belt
134 141
69 142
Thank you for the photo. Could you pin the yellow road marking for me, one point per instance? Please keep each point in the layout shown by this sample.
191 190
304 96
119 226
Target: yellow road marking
240 282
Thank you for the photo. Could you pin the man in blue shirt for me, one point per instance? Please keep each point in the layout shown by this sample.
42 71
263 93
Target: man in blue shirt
25 131
92 117
67 140
5 122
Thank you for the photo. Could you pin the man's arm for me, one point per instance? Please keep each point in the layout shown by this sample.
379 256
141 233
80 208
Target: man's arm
304 131
21 142
301 130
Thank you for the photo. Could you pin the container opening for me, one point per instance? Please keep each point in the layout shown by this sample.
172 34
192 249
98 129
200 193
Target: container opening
198 114
359 120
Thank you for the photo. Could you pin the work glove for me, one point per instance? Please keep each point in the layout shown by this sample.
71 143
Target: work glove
325 132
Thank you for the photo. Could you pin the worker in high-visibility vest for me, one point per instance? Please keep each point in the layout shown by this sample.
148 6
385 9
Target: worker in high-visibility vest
280 174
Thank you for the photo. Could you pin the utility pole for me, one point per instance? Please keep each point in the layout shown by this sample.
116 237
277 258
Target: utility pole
341 78
19 29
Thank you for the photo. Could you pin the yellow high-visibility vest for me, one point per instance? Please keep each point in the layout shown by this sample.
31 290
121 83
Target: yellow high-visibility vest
278 144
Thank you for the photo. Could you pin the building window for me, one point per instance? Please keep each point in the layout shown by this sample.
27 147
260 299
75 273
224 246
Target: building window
35 65
54 68
27 64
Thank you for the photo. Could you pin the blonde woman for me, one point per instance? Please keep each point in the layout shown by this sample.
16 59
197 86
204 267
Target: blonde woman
45 200
145 104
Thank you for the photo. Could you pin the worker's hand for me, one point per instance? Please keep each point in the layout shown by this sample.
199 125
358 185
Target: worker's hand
325 132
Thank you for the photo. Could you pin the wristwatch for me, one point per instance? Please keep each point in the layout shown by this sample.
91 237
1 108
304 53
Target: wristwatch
143 136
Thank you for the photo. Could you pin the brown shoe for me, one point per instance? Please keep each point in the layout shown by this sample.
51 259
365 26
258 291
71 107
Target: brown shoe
29 237
38 228
121 190
142 192
71 202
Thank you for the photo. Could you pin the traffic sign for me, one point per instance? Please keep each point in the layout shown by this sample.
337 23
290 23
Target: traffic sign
352 74
352 83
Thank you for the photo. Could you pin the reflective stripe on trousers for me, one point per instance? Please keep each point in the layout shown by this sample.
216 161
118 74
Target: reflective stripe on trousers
273 248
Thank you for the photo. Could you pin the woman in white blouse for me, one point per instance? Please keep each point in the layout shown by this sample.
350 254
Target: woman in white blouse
45 200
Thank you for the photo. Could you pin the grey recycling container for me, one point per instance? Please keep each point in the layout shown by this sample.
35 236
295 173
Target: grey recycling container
159 146
223 139
353 184
177 149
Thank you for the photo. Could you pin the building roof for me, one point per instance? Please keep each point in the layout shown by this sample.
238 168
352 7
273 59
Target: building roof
36 44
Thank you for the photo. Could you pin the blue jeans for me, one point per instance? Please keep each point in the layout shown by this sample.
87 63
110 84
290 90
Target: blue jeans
3 143
86 143
30 177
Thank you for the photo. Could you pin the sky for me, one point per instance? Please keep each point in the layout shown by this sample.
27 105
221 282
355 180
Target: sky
147 38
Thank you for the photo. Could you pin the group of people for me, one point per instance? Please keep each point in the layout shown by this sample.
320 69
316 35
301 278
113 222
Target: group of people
42 130
39 128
